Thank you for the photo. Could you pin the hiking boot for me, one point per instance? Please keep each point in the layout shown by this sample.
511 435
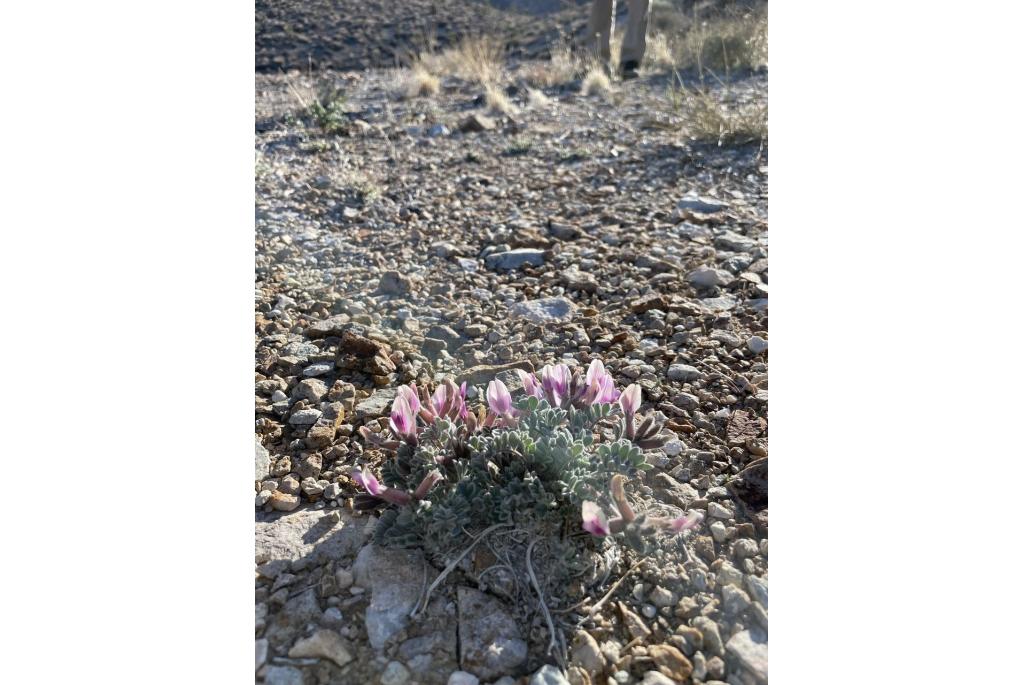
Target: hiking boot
629 69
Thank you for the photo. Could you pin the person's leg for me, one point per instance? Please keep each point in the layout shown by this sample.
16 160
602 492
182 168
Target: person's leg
634 43
599 28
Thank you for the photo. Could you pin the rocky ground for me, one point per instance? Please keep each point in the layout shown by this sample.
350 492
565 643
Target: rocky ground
425 238
343 34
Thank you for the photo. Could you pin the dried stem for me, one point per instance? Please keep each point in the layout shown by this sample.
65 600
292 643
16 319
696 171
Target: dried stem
451 567
540 596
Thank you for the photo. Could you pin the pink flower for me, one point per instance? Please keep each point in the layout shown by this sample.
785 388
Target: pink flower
463 411
630 400
409 392
683 522
498 398
403 419
367 481
530 384
428 482
555 381
599 388
594 520
440 399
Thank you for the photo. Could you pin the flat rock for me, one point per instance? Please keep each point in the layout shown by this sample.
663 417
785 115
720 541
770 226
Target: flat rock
671 661
548 675
680 494
704 205
707 277
514 259
490 644
283 675
751 653
545 310
684 372
395 579
323 644
736 242
377 404
332 327
305 417
262 462
308 532
484 373
715 305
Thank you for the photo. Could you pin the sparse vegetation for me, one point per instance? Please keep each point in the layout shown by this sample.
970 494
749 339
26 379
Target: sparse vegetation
476 58
536 99
564 66
497 101
596 82
417 82
724 123
326 108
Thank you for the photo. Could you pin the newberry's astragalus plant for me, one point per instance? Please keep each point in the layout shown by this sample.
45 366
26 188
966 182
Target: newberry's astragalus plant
554 460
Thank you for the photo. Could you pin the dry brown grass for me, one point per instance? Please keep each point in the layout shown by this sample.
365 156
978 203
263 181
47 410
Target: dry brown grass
497 101
723 122
563 67
416 81
476 58
596 82
535 99
728 43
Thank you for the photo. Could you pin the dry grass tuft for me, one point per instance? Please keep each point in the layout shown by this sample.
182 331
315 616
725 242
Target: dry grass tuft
417 82
723 123
497 101
727 43
596 82
563 67
475 58
661 53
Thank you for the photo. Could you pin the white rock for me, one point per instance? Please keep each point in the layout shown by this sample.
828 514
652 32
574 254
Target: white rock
716 510
463 678
707 276
544 310
323 644
395 674
261 652
718 531
684 372
548 675
757 344
657 678
751 653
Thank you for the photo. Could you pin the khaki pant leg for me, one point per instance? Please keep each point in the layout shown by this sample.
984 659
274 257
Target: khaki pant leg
634 43
599 28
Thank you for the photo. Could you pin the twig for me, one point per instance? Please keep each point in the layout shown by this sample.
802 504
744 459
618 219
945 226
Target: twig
451 567
613 588
544 607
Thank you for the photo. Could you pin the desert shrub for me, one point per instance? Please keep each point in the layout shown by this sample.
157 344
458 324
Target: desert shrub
553 460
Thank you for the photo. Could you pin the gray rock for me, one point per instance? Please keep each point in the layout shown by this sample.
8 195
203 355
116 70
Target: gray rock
757 344
574 279
395 673
278 396
716 510
730 240
657 678
729 575
318 369
680 494
758 588
514 259
334 326
262 462
477 122
751 653
290 622
323 644
312 389
684 372
718 531
548 675
377 404
283 675
305 417
308 533
704 205
490 644
587 654
715 305
261 652
744 548
734 600
662 597
394 283
463 678
707 277
395 578
709 632
545 310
